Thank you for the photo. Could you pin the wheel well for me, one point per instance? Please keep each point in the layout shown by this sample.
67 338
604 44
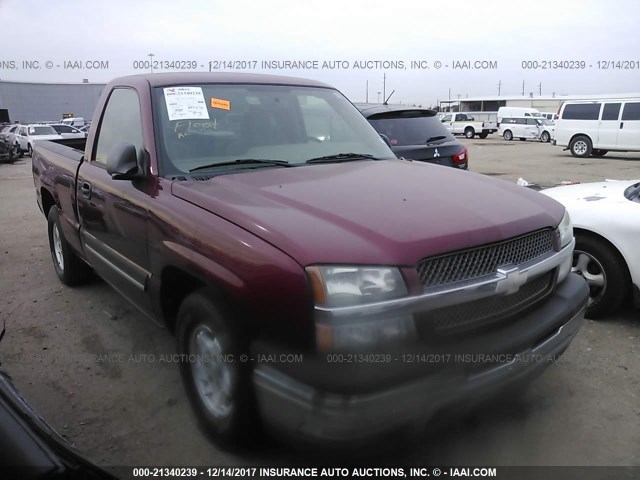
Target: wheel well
469 128
175 285
580 135
47 201
600 238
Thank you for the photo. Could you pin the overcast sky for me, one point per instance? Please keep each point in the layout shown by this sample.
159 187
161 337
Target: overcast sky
507 32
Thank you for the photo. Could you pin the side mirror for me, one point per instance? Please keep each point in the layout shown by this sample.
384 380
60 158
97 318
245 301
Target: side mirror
386 139
122 162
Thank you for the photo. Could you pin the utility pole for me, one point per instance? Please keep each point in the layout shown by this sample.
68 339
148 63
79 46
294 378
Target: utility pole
540 89
151 55
449 93
367 96
379 97
384 86
523 88
499 86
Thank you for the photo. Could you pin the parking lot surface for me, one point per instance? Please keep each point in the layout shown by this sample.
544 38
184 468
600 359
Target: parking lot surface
102 375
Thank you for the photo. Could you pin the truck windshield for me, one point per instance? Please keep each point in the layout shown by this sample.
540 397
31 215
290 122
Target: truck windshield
212 124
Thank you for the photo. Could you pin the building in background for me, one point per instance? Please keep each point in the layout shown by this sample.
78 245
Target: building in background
542 103
29 102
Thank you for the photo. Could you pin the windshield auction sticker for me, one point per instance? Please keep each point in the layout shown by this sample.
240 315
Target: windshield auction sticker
185 103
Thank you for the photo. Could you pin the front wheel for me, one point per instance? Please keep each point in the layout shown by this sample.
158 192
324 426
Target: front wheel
215 376
19 151
30 150
469 133
507 135
69 268
545 137
604 270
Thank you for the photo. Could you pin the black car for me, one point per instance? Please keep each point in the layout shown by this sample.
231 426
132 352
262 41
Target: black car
8 153
416 133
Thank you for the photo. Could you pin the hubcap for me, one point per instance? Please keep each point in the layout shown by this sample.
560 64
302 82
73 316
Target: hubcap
57 247
588 267
580 147
212 375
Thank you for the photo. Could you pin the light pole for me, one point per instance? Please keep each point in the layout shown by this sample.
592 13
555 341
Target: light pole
379 96
151 55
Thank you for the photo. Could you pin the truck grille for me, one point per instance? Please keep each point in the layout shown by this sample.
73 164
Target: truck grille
481 313
477 262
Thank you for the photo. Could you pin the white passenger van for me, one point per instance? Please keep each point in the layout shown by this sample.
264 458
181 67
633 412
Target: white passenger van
517 112
596 127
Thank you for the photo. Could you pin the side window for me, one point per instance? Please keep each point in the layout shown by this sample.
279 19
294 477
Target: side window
521 121
121 123
581 111
532 121
610 111
446 118
23 132
631 111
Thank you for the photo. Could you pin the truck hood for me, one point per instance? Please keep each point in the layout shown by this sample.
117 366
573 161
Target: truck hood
390 212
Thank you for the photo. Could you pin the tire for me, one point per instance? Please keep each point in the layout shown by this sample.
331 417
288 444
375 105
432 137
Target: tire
604 269
522 139
205 327
30 150
19 151
469 132
581 146
599 153
507 135
545 137
69 268
483 135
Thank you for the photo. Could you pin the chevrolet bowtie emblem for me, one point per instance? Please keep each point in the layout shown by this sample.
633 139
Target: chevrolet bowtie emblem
512 281
436 153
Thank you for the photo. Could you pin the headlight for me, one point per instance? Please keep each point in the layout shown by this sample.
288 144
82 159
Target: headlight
565 229
343 286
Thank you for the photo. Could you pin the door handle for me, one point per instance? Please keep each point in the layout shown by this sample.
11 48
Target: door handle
86 189
621 124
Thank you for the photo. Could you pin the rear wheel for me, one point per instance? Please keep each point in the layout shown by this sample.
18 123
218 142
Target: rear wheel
469 132
522 139
215 372
604 270
19 151
483 135
580 146
69 268
545 137
30 150
599 153
507 135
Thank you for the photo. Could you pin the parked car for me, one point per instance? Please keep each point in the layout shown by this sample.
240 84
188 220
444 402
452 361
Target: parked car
73 121
8 131
8 152
520 127
268 224
416 133
67 131
504 112
597 127
463 124
606 220
27 135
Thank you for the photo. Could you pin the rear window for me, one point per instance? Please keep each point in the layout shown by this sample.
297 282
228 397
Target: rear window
631 111
581 111
411 129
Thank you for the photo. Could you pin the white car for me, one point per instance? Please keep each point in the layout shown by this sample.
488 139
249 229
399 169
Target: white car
606 223
28 134
67 131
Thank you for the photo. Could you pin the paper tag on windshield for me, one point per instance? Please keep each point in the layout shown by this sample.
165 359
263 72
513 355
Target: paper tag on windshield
185 103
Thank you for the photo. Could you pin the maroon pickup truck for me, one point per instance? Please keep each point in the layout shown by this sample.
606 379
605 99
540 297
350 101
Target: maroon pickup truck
315 283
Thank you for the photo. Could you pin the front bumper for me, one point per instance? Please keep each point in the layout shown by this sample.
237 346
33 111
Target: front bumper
292 406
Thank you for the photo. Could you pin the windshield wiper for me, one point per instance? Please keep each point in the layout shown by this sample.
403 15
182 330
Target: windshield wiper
435 139
245 161
341 157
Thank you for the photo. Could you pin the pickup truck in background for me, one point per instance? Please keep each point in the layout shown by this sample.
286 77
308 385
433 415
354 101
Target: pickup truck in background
463 124
314 282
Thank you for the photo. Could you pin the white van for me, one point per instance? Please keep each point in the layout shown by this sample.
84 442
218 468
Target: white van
517 112
74 122
598 126
519 127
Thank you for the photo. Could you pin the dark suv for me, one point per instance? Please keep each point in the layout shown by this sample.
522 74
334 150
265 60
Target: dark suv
416 133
